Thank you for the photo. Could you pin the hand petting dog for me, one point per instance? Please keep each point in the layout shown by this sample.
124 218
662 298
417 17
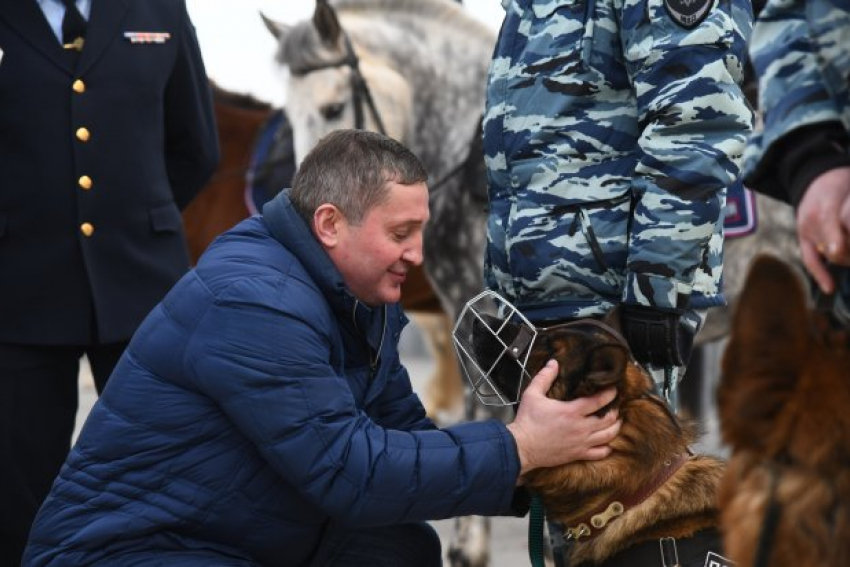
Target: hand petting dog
550 432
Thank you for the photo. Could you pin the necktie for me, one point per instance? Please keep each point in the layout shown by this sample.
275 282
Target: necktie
73 26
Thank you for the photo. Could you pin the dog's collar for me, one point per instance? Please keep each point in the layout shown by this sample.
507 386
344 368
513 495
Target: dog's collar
596 521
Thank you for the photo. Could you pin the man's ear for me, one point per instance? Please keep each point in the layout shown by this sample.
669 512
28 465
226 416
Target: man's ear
326 224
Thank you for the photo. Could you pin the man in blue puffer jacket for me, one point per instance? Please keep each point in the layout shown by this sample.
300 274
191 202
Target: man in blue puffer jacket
261 415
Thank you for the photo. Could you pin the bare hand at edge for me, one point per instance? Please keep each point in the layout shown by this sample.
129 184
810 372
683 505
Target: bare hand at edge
823 225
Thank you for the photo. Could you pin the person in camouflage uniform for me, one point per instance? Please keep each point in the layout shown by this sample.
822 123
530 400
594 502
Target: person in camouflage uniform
801 53
612 129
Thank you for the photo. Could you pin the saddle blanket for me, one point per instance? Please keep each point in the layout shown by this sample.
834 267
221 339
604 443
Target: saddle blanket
740 214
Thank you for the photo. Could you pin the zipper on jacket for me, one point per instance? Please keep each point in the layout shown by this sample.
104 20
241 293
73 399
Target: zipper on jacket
374 357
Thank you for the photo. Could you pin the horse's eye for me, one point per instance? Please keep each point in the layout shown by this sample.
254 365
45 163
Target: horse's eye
332 111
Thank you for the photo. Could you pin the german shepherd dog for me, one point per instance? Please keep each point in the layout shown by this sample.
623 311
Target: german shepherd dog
651 502
784 405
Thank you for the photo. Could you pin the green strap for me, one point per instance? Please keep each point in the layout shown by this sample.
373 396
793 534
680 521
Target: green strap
536 516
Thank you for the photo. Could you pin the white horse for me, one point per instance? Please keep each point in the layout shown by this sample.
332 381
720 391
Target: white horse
416 70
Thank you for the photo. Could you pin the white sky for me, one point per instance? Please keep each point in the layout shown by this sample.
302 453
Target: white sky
238 51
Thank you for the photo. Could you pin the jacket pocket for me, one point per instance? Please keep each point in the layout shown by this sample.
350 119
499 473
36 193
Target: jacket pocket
598 233
165 218
572 250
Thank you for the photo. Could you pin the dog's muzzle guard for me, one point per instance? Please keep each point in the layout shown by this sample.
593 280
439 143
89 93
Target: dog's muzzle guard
485 319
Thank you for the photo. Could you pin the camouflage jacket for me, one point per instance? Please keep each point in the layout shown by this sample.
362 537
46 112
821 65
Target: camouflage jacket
801 52
611 131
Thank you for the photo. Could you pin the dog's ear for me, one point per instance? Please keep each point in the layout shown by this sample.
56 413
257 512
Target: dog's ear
588 361
606 366
763 357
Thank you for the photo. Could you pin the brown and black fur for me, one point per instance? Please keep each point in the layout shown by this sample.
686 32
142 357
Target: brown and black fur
591 359
784 402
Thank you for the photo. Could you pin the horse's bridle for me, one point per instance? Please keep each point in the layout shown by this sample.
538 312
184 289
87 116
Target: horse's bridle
360 91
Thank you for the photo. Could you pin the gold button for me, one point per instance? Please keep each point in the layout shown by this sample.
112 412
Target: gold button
87 228
85 182
79 86
83 134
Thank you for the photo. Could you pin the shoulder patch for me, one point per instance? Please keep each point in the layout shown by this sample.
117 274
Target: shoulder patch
688 13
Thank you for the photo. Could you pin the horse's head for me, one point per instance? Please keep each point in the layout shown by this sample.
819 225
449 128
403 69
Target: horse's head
335 81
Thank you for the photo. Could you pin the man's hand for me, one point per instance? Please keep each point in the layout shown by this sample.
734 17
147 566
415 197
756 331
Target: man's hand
550 432
823 225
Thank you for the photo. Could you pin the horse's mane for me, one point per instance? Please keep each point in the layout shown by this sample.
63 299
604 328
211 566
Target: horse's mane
239 100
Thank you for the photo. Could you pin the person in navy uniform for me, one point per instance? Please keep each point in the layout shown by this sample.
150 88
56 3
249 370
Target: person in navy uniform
106 133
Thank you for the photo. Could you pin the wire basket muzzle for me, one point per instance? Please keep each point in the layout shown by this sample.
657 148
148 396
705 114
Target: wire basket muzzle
493 341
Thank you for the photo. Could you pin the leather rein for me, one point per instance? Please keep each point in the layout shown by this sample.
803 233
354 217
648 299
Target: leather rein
360 91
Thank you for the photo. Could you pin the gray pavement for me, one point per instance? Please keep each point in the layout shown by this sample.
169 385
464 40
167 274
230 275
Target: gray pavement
509 535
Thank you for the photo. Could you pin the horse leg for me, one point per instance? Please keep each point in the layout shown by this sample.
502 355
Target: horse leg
470 541
444 391
470 546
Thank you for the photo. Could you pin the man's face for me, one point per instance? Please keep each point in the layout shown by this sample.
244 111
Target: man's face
375 256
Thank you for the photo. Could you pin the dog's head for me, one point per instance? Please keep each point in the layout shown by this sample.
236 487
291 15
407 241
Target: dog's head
591 355
784 406
785 387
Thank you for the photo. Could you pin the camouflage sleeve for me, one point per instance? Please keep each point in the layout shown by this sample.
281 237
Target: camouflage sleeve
694 124
799 51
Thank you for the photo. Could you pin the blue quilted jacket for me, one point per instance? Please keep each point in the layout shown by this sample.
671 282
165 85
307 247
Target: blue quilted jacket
247 417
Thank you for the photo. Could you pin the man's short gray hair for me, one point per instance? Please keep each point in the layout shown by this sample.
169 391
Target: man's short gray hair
351 169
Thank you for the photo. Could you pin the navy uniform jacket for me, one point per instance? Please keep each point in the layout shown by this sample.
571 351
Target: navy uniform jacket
96 161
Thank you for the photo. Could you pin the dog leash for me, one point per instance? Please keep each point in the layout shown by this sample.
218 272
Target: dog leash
535 532
836 306
559 545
